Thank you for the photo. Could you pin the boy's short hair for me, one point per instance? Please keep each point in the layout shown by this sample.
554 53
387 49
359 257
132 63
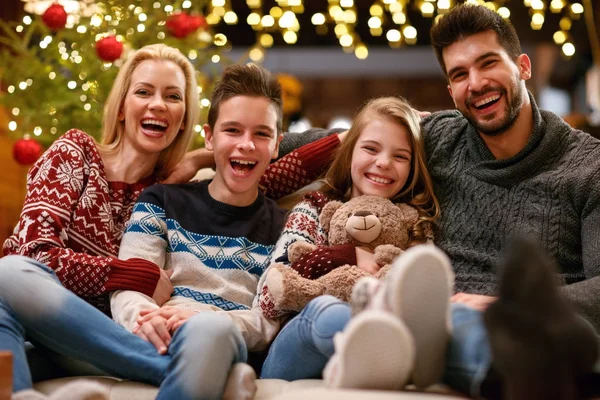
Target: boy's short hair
246 80
465 20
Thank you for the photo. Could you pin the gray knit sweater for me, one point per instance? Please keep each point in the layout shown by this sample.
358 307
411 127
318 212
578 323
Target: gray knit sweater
551 190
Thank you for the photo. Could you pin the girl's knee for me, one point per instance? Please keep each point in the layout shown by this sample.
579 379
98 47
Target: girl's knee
328 315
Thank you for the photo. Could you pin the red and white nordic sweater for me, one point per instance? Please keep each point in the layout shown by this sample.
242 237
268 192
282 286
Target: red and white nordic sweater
73 218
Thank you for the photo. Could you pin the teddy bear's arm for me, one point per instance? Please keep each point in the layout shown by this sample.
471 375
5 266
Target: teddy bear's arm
386 253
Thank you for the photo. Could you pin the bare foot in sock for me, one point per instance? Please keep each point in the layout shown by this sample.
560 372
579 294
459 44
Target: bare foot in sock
539 345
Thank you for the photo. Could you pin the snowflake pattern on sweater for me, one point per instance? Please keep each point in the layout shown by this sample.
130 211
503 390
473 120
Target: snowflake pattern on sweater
73 218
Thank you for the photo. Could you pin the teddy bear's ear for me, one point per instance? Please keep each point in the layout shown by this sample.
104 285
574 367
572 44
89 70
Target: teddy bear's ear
327 213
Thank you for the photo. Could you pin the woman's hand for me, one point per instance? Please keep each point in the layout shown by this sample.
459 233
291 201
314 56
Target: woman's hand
193 161
477 301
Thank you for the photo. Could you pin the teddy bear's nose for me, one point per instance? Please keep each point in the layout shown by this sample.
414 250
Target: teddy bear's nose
362 213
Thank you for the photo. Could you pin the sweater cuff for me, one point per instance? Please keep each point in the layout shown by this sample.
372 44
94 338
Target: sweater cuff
343 254
134 274
317 156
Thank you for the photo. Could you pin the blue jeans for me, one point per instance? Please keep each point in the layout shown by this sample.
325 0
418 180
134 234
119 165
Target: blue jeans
469 356
305 344
33 303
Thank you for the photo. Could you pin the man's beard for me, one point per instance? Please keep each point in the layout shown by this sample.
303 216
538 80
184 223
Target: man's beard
511 112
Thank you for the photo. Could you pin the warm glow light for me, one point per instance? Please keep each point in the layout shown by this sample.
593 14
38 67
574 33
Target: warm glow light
318 19
290 37
427 9
399 18
577 8
266 40
565 24
374 22
537 5
267 21
568 49
253 19
361 52
393 35
340 30
230 18
346 3
346 40
559 37
442 4
504 12
12 125
376 10
220 39
410 32
15 111
215 58
256 54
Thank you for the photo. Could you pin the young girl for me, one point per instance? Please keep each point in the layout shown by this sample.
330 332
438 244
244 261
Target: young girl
382 155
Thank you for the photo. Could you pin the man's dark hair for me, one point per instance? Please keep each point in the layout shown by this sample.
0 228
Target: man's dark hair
466 20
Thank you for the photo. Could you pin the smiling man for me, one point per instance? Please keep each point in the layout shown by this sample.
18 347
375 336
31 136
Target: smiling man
502 167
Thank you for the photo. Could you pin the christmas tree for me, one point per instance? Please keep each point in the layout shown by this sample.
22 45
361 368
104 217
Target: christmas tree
57 68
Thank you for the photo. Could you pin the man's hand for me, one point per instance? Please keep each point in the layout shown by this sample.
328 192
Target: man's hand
155 331
174 317
476 301
365 260
185 170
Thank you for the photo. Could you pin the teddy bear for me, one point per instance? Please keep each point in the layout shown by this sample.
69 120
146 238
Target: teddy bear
370 221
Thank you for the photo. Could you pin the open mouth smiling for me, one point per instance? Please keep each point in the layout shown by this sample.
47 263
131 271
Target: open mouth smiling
244 166
154 125
486 102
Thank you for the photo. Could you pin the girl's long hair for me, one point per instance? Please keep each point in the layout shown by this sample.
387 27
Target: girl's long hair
418 190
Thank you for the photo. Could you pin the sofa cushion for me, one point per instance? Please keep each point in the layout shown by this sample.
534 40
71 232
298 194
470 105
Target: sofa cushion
268 389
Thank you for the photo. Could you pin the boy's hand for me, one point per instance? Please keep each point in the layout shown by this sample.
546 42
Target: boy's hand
476 301
164 287
365 260
174 317
155 331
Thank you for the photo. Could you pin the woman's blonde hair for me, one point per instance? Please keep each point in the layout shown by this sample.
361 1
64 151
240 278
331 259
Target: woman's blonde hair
113 129
418 190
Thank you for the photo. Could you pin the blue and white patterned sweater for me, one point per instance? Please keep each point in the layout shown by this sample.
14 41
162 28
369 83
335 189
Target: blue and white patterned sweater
218 252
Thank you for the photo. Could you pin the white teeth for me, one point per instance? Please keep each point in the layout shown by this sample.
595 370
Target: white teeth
243 162
155 122
487 100
380 180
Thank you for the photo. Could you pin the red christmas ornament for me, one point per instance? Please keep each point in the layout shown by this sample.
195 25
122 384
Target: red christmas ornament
26 151
181 24
55 17
109 49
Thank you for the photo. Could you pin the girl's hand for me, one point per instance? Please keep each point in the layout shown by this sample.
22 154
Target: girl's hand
365 260
476 301
164 287
154 330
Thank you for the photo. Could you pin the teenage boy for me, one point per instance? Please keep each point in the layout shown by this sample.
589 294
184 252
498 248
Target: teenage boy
215 237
